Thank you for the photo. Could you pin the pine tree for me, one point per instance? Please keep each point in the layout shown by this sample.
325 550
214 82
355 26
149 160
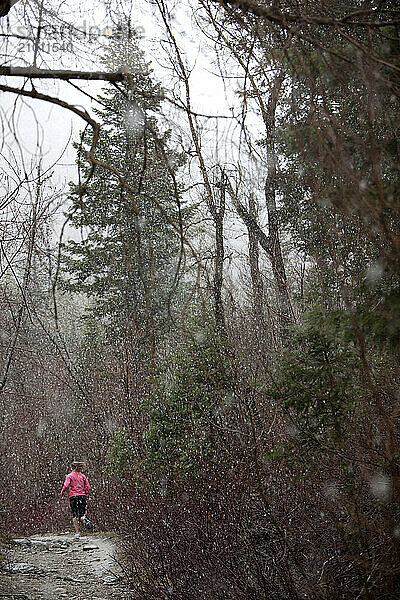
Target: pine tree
127 261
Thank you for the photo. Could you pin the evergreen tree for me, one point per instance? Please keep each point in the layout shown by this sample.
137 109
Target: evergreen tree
126 260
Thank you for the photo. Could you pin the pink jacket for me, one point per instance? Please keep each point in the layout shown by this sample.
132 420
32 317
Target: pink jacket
77 484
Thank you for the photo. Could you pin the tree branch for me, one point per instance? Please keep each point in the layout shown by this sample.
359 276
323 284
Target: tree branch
249 220
33 73
284 18
5 6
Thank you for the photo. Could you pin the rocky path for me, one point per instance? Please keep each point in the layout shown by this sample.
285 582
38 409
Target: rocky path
53 567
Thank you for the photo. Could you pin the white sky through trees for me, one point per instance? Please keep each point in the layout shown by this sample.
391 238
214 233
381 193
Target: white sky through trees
36 130
54 125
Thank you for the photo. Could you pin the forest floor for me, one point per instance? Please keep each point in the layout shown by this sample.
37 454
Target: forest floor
52 567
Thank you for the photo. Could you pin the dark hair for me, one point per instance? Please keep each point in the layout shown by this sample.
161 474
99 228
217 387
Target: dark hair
78 465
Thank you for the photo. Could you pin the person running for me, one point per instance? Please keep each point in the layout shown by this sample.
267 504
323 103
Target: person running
78 486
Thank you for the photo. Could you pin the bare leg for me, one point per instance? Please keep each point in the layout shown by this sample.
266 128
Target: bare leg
75 522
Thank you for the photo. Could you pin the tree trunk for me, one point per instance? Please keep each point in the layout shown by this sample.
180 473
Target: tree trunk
285 314
256 279
218 216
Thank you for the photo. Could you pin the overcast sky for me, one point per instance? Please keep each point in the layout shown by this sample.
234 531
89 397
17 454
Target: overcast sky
36 129
37 125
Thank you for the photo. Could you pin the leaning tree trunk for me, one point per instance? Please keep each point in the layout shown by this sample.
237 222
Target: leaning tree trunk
271 245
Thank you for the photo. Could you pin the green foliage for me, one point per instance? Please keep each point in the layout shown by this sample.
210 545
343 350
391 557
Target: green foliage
276 454
126 261
381 324
119 458
315 378
339 172
185 395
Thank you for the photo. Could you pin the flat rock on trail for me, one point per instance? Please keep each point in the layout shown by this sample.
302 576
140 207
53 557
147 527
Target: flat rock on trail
52 567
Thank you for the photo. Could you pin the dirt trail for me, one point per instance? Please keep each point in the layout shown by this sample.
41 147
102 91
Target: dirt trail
52 567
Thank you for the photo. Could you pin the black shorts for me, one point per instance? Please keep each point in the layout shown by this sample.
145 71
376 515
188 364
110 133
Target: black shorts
78 506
